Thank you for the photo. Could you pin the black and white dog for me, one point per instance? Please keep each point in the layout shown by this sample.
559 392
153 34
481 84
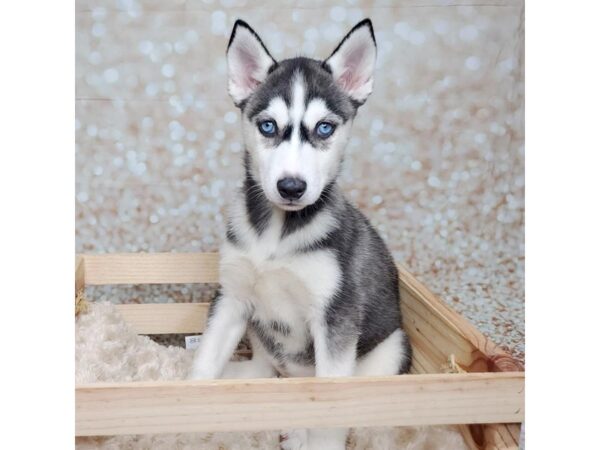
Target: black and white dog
302 270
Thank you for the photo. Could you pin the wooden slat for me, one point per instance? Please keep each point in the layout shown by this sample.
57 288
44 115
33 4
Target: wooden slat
151 268
513 432
503 436
165 318
456 327
423 358
79 274
496 436
436 340
428 327
419 363
270 404
435 329
468 433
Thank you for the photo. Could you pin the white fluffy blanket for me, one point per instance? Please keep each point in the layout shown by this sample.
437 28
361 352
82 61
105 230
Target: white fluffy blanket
107 349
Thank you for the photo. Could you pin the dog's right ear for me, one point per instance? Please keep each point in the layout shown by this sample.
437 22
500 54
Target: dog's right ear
248 62
353 61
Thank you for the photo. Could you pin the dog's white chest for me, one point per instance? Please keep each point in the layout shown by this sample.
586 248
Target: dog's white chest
278 283
283 290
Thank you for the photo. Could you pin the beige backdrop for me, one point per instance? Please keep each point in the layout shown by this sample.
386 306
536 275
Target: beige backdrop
436 161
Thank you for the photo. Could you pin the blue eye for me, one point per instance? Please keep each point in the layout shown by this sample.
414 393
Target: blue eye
325 129
267 128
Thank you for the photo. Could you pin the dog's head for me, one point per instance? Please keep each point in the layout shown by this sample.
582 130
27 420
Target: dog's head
297 113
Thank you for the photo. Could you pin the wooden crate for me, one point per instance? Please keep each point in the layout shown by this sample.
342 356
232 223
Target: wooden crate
485 395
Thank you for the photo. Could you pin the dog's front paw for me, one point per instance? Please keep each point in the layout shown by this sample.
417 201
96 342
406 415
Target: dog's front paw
199 373
294 440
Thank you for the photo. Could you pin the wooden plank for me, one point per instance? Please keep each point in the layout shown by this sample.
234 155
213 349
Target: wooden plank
513 432
436 339
436 330
420 364
430 362
497 436
165 318
469 434
270 404
491 436
503 436
455 326
80 302
151 268
433 324
79 273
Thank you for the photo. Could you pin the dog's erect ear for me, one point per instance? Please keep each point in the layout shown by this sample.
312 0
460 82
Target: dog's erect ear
353 61
248 62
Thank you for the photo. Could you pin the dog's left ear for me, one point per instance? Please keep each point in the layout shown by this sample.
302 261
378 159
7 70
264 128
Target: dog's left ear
248 62
353 61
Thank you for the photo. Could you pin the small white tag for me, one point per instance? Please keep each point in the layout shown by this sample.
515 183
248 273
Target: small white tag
192 342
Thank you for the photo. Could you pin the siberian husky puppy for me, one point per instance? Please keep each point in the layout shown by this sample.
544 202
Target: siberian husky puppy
302 271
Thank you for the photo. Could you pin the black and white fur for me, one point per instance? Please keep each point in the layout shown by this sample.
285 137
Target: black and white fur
308 279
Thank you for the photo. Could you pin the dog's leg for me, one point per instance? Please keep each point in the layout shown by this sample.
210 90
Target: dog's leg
294 440
248 369
226 326
258 367
389 357
335 356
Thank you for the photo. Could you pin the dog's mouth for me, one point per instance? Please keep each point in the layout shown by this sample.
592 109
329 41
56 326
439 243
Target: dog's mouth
290 205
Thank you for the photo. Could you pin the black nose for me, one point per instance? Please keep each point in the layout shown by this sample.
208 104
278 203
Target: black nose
291 188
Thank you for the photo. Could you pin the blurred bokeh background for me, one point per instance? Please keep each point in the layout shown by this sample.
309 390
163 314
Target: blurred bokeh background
436 160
